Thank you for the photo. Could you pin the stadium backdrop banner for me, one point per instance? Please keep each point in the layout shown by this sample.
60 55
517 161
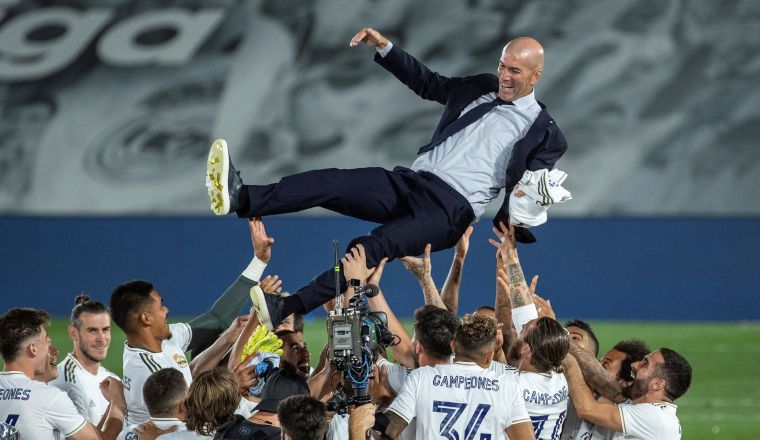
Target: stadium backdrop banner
108 107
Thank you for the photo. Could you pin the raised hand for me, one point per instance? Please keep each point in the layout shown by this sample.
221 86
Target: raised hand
419 267
271 284
370 37
463 245
245 373
505 247
376 273
235 328
262 243
355 264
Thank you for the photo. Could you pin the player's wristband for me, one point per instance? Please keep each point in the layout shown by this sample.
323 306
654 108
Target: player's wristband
354 283
381 423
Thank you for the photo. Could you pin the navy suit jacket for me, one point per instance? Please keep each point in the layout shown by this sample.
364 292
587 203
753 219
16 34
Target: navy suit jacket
541 147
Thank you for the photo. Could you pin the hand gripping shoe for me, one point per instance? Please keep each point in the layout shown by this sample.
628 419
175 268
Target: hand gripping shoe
268 308
222 179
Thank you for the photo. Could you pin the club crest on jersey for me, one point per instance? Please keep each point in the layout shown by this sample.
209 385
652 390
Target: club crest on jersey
180 360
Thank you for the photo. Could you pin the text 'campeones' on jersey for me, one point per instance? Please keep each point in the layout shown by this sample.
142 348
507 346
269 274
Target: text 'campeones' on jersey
459 401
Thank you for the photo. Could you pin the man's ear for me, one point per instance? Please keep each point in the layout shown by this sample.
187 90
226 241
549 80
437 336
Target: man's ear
73 333
182 412
286 436
525 350
32 350
453 346
658 384
535 77
145 318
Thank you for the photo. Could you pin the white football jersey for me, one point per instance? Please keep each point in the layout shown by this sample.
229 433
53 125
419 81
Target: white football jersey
39 411
546 397
397 375
164 423
459 401
83 388
653 421
140 363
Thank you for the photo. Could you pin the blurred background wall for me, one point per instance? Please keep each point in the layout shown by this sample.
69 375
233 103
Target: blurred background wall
107 109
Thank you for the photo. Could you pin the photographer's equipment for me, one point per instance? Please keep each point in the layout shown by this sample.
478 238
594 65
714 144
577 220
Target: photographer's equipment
8 432
355 336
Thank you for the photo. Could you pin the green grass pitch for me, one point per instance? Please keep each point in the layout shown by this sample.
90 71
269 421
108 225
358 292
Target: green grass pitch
724 399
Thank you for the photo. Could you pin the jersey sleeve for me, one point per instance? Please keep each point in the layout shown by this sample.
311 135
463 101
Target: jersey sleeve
518 413
396 374
80 400
183 333
642 421
63 415
404 405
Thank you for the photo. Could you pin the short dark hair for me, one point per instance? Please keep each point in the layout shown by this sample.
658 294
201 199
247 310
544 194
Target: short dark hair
583 325
83 304
435 328
475 335
489 308
298 322
163 390
302 417
282 333
548 342
128 300
16 326
634 350
677 373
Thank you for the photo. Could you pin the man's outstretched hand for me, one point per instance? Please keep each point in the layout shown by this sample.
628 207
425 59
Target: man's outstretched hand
370 37
262 243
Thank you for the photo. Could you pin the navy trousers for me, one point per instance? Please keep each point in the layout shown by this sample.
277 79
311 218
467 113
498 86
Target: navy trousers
413 209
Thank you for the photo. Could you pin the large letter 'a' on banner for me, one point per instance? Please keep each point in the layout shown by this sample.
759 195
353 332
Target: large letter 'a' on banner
129 42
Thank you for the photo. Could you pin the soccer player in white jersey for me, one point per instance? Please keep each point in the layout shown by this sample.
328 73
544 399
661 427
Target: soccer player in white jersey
153 344
462 400
40 411
617 363
81 372
165 392
658 380
540 347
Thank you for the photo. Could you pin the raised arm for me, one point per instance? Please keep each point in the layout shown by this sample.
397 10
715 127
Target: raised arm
523 309
599 413
595 375
207 326
421 80
402 352
421 269
450 290
211 357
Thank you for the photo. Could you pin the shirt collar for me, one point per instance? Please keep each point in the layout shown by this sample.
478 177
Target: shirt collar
526 101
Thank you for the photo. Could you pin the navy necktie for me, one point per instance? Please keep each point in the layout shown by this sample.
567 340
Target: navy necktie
462 122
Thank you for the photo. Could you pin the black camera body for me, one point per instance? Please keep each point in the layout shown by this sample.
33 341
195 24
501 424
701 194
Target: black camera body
355 336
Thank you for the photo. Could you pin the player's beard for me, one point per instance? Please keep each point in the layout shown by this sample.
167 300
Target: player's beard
91 355
513 354
636 389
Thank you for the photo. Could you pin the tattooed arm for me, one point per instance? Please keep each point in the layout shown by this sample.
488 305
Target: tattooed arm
597 377
421 269
450 290
599 413
519 292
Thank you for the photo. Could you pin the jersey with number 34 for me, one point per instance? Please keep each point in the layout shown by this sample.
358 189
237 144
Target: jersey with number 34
460 401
